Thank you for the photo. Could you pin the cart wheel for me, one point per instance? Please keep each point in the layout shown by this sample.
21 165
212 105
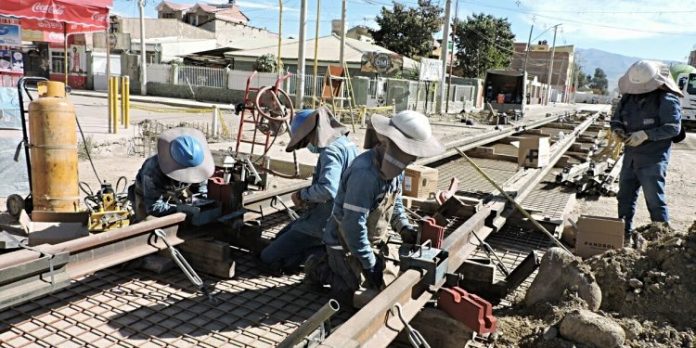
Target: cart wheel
15 205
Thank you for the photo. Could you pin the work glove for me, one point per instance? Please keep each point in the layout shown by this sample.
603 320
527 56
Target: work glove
374 276
620 134
409 234
162 207
297 199
636 138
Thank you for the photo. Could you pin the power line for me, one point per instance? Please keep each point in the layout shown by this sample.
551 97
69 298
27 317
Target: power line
568 20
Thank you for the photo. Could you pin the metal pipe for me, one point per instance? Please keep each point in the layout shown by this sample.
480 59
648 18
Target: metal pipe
317 319
301 58
342 54
280 37
443 54
316 56
65 52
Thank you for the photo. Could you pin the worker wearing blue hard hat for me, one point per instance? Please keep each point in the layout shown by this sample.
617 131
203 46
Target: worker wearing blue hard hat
183 162
321 133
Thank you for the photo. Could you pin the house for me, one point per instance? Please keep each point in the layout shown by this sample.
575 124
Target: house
328 54
202 13
538 65
225 22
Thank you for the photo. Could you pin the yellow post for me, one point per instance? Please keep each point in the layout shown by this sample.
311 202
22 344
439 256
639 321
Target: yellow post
110 96
127 89
125 96
114 103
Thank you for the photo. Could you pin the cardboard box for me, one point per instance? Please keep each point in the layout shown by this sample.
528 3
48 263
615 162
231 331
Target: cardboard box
534 152
420 181
597 234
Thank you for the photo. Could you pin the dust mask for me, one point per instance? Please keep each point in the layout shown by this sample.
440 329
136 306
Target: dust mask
392 161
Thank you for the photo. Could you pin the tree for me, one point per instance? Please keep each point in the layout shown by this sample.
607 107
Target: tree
599 83
483 42
266 63
580 77
408 31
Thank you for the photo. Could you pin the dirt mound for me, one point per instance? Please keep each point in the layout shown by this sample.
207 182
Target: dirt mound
655 285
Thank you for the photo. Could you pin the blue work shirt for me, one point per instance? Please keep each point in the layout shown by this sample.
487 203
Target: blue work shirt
361 191
332 162
154 184
658 113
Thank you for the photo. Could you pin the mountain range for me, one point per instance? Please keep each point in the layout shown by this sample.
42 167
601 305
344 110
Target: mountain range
613 64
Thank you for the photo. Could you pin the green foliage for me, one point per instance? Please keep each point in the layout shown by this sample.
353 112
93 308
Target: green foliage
266 63
579 77
599 83
483 42
407 30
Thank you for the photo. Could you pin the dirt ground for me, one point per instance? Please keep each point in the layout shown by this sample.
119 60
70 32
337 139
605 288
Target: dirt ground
680 191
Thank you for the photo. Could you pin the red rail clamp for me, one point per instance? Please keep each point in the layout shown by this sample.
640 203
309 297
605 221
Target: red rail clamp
430 230
473 311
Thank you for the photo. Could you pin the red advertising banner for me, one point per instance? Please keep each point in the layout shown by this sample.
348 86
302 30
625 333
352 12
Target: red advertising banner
94 15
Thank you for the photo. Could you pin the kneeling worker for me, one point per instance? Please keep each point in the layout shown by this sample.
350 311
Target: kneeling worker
321 133
368 201
183 162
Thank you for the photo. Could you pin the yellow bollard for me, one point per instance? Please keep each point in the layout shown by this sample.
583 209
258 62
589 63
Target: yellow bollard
125 100
110 107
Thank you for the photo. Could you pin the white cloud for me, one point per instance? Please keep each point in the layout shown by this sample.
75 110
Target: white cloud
610 20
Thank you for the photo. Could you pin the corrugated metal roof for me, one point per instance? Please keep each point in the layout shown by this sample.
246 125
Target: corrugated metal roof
329 48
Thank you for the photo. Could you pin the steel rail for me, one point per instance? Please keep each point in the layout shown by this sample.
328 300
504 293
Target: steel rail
33 272
374 326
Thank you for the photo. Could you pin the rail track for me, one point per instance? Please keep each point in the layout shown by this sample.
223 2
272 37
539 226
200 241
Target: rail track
72 293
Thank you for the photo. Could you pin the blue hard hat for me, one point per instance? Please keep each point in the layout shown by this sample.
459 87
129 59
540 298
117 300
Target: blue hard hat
187 151
299 119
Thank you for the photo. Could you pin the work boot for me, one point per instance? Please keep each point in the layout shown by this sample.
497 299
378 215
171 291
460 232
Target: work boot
628 239
314 268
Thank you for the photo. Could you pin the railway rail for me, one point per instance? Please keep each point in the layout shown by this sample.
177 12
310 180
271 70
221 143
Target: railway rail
129 307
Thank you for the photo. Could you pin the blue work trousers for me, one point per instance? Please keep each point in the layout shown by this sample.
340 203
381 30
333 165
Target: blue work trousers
652 179
290 249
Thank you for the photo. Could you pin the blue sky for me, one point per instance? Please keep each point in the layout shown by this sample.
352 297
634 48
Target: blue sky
656 29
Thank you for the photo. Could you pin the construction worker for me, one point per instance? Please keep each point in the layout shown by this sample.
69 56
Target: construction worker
367 202
321 133
647 119
182 166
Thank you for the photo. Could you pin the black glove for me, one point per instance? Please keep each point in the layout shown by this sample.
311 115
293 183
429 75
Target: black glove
409 234
374 276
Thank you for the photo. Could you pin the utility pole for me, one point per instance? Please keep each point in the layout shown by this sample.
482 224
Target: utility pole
343 33
553 52
529 43
316 56
143 54
454 33
443 55
299 93
279 64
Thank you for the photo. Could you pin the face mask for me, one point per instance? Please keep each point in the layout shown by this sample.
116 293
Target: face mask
393 160
312 148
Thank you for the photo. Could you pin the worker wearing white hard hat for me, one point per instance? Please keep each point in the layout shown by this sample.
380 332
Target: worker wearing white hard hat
648 120
367 203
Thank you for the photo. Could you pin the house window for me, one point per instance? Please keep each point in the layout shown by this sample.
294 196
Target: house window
57 62
167 15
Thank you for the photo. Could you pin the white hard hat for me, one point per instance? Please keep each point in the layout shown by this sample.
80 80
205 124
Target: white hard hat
645 76
410 131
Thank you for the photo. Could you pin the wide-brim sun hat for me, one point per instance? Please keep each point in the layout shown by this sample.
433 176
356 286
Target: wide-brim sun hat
192 163
410 131
645 76
322 120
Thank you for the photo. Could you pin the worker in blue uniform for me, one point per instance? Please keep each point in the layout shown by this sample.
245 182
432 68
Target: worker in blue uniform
368 202
321 133
647 119
183 163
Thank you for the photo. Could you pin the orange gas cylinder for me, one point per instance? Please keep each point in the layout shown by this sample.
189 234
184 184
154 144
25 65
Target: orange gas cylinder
53 146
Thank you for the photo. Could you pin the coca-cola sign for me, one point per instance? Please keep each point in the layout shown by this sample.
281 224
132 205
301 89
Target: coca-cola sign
99 17
53 9
49 25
